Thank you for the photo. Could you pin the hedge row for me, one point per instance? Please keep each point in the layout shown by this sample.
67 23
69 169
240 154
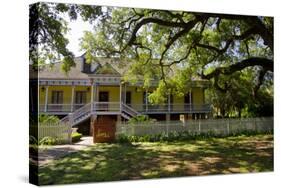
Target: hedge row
181 136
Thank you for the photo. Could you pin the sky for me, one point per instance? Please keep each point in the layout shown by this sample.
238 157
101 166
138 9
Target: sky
77 28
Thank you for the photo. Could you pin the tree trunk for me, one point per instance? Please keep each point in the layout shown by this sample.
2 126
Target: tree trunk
239 113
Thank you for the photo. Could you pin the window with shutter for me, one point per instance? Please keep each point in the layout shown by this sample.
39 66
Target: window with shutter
80 97
57 97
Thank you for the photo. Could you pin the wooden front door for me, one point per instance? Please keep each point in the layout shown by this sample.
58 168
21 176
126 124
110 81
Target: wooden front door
103 99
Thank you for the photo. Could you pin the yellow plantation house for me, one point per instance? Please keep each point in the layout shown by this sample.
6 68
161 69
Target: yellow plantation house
90 91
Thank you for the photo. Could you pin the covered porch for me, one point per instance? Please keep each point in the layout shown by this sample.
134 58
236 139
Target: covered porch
61 97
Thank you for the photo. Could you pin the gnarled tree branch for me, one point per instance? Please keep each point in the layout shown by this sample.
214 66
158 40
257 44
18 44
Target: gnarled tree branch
156 21
267 65
246 34
261 74
262 30
188 27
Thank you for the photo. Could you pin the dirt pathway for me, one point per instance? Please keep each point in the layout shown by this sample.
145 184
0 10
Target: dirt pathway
49 153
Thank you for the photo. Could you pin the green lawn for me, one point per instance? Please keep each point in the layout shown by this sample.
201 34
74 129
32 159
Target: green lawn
107 162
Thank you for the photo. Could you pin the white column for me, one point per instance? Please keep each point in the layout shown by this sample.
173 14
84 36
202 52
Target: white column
96 99
169 102
92 96
72 98
125 90
46 98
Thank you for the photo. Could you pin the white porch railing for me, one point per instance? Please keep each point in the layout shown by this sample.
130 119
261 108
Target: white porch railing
99 108
134 108
60 107
175 107
67 108
102 108
106 106
128 110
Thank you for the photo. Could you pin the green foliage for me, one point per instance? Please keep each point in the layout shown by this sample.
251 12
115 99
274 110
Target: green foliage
182 136
239 98
159 95
47 30
46 141
154 160
67 63
176 64
48 119
161 47
47 35
50 141
141 119
262 106
76 136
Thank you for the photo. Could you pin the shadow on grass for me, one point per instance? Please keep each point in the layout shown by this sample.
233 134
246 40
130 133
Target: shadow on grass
111 162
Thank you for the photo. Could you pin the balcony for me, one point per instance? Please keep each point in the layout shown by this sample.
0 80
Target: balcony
173 108
59 108
68 108
115 107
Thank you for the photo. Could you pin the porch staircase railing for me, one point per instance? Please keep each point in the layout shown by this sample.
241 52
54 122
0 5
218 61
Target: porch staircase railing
128 112
96 108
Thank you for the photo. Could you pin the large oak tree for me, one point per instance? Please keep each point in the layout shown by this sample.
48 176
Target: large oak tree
235 52
48 28
209 45
172 46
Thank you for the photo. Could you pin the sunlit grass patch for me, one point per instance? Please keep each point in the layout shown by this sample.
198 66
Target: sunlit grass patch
110 162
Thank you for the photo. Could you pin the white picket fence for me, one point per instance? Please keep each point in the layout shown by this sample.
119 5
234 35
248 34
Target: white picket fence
215 126
60 131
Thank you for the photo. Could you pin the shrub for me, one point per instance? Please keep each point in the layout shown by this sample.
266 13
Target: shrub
46 141
181 136
43 119
140 119
123 139
49 141
48 119
76 136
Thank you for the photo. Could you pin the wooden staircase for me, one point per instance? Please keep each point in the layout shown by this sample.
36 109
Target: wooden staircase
94 108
